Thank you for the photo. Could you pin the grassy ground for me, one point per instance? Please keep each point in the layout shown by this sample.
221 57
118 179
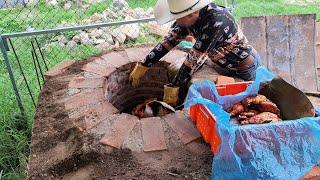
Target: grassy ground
15 130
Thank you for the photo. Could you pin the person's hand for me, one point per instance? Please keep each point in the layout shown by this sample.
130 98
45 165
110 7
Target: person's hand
136 74
171 95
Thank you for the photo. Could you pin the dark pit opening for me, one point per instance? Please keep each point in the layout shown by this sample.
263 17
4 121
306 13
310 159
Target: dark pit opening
125 98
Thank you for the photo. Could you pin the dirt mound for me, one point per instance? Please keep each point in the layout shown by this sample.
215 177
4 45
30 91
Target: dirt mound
70 123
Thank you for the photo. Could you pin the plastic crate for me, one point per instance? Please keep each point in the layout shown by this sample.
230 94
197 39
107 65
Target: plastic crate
206 122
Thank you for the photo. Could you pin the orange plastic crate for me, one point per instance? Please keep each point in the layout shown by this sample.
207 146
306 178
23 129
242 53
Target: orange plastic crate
206 122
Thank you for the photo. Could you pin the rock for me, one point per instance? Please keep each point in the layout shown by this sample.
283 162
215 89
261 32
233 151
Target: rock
140 13
119 35
67 5
30 29
61 39
132 31
158 29
108 14
94 1
96 33
99 41
104 46
71 44
33 2
84 38
150 11
76 38
108 38
73 91
96 17
120 4
52 2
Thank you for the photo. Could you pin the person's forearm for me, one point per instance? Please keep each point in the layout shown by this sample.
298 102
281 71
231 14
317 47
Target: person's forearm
183 76
155 55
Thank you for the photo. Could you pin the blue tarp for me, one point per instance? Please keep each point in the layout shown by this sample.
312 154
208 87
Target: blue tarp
281 150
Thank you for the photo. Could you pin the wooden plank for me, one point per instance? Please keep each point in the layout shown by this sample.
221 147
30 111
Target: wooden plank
318 55
302 55
278 46
318 33
254 28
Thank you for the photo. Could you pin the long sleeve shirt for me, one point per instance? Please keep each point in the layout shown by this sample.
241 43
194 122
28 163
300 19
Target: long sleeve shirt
216 34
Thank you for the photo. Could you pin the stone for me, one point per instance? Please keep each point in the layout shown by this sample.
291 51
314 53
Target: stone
108 14
104 46
52 2
119 35
137 54
71 44
59 68
94 1
73 91
96 17
132 31
76 38
99 41
108 38
157 29
67 5
140 13
120 4
150 11
84 38
61 39
96 33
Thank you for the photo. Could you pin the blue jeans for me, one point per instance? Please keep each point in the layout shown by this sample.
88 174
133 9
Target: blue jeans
250 73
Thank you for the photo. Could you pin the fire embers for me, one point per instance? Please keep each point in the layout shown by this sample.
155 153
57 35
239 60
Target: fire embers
152 108
255 110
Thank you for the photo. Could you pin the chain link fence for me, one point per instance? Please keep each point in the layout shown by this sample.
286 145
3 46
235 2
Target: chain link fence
35 35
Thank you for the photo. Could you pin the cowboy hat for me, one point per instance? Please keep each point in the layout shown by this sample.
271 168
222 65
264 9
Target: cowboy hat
168 10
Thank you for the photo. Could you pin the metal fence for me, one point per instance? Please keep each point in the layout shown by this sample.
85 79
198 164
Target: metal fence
36 34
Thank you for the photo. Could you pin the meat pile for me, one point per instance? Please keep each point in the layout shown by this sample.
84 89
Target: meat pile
255 110
152 108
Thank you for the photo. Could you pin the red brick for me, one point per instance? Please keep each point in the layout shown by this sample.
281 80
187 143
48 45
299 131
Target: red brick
98 69
97 113
115 59
183 126
138 53
174 55
83 82
120 129
224 80
103 63
153 134
59 68
314 173
83 99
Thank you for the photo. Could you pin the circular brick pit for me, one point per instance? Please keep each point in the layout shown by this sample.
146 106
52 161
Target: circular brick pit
98 102
124 97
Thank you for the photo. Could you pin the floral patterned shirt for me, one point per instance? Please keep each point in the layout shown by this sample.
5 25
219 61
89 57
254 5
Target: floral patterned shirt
217 35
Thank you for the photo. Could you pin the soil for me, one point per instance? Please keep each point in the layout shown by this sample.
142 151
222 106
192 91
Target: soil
61 149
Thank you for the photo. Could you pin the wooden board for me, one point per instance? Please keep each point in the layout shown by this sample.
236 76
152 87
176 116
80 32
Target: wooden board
286 45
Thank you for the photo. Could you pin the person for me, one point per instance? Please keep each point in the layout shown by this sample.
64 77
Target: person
217 37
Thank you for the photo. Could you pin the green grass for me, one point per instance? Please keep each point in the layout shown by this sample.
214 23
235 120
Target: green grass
15 130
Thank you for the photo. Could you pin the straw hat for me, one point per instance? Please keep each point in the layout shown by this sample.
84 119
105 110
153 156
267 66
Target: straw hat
168 10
